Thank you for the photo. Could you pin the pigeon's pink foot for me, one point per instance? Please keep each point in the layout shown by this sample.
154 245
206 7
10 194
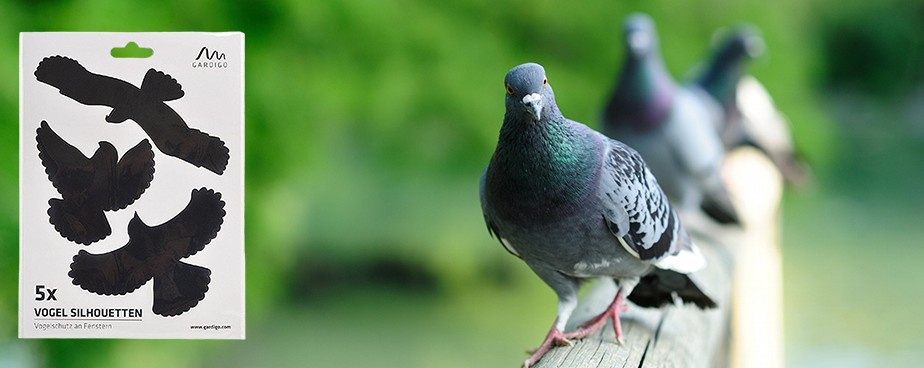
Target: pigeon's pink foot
594 324
553 338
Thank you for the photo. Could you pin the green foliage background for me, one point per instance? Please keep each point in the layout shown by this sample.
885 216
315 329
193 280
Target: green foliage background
368 125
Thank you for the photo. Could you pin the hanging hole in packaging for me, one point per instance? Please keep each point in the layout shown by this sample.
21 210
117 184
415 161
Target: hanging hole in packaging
131 50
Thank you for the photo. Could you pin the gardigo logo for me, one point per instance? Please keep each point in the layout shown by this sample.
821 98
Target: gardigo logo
210 59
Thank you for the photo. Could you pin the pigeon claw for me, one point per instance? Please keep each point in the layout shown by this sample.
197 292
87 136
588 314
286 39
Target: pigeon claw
553 338
592 325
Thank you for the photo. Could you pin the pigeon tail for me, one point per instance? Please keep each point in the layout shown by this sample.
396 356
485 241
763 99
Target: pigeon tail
659 287
720 208
793 170
180 288
161 86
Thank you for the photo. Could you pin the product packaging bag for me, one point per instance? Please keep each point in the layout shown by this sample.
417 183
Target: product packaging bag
131 185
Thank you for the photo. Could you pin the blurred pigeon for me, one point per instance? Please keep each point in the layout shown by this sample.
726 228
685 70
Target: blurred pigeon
673 127
750 116
751 119
155 252
768 130
720 75
574 204
144 105
89 186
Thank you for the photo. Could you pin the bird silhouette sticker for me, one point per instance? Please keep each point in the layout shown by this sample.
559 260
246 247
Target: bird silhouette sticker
91 185
155 252
146 106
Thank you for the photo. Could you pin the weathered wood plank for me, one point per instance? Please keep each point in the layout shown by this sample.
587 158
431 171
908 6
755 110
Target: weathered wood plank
685 336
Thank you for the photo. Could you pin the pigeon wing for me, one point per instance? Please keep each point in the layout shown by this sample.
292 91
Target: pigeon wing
180 288
134 172
492 229
698 151
189 231
768 130
76 82
68 169
120 271
635 209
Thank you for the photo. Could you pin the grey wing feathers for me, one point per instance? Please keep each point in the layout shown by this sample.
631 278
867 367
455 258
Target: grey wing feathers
698 153
635 209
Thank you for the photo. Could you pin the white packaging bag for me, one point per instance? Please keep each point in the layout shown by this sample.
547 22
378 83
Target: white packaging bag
132 185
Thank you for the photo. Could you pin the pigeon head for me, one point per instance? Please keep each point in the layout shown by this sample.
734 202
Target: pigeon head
736 46
640 35
106 152
644 92
529 94
741 41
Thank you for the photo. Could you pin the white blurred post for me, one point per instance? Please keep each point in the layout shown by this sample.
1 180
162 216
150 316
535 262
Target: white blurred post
757 294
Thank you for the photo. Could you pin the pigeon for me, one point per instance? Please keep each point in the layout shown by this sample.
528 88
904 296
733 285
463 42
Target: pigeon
155 252
145 105
767 129
750 118
727 64
574 205
673 127
89 186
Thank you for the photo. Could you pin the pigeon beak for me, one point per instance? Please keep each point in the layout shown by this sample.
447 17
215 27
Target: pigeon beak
638 41
754 46
533 103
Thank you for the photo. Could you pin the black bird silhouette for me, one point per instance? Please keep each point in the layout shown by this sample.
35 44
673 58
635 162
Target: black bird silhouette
144 105
155 252
89 186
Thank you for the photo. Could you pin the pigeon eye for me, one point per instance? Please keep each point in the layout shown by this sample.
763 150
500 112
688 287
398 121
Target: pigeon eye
545 81
509 89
